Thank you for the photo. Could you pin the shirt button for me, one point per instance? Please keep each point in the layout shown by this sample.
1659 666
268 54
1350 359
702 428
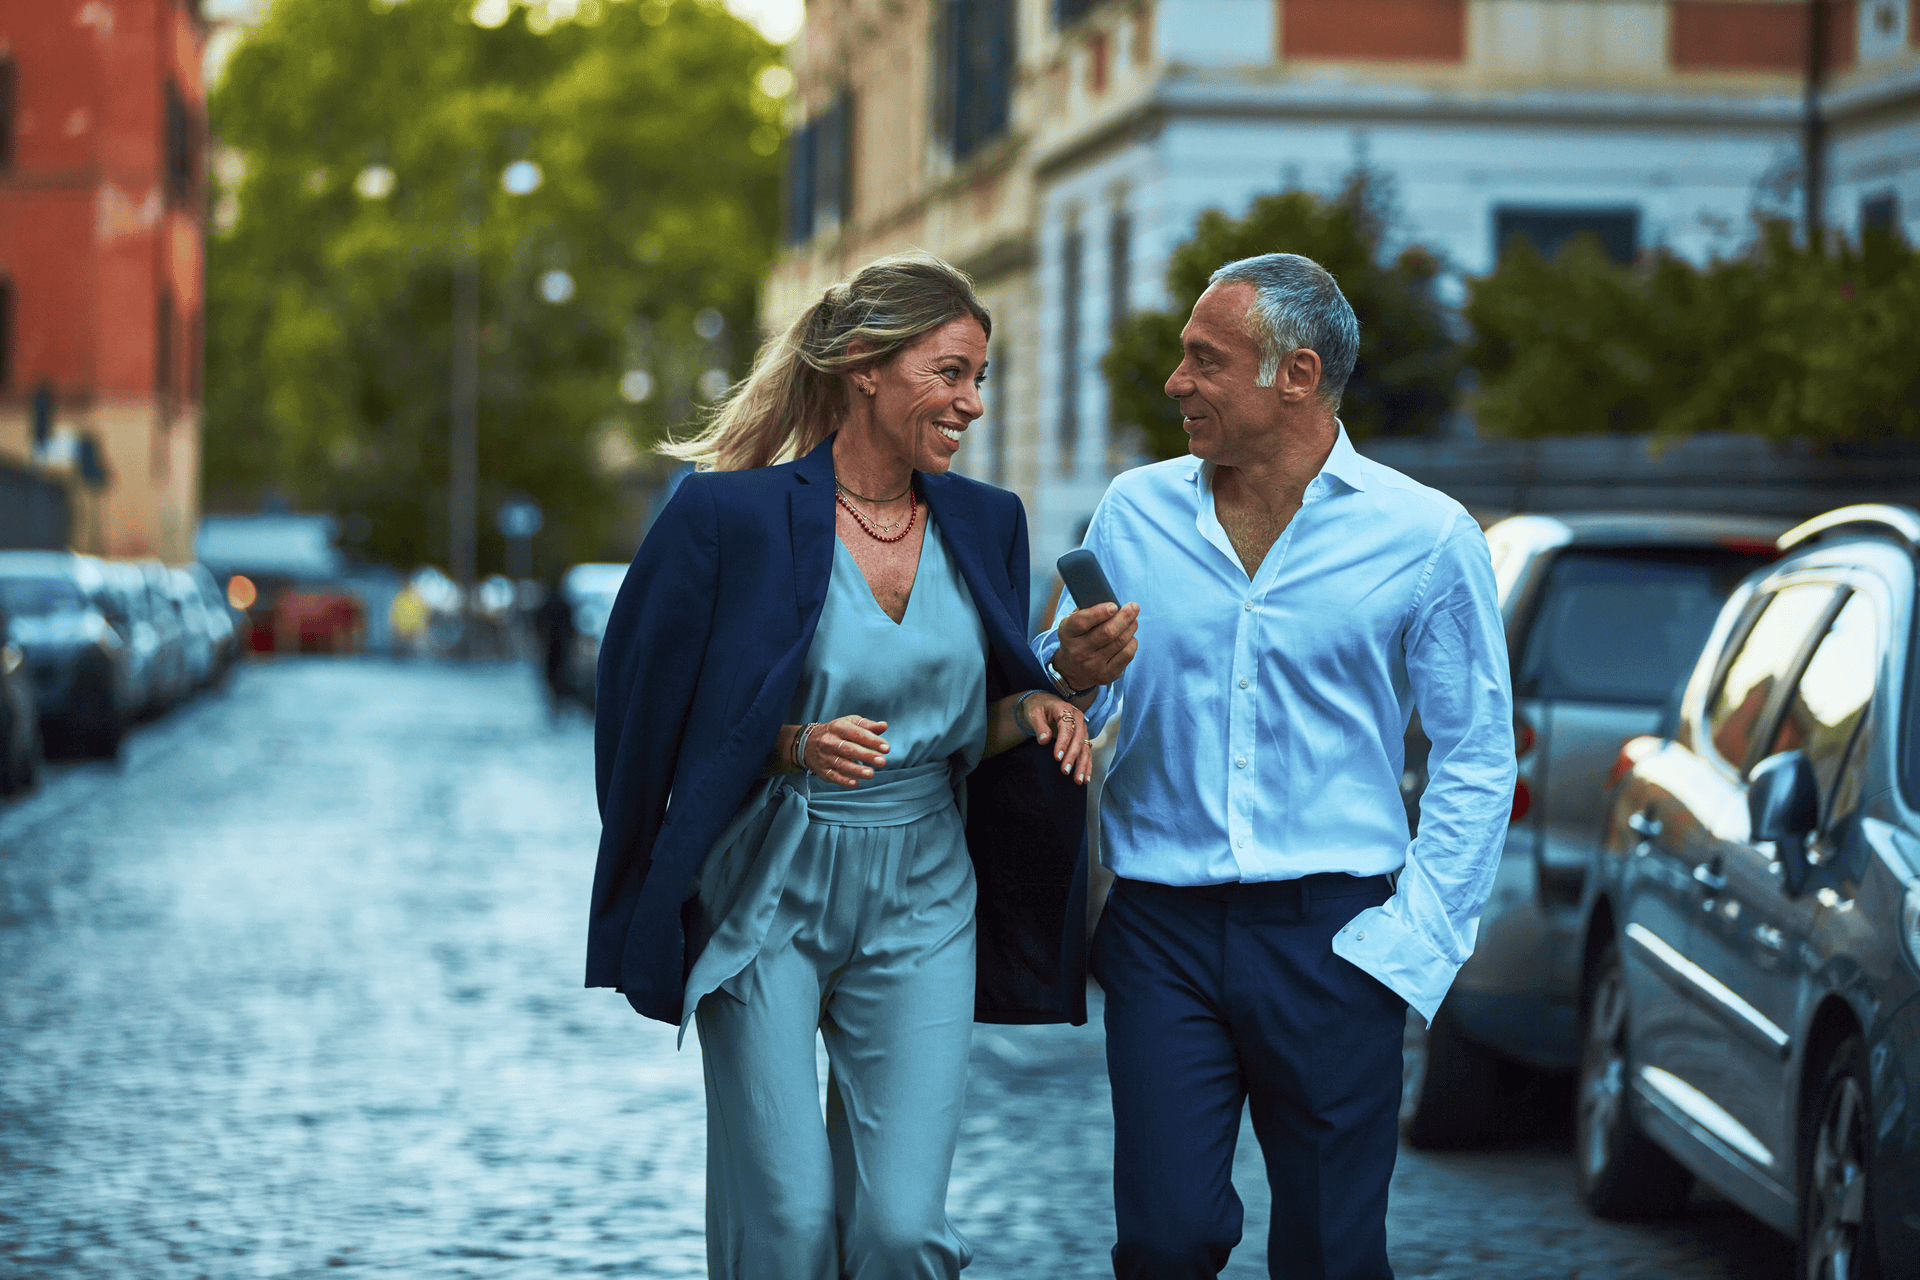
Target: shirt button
1241 843
1360 936
1248 606
1241 763
1244 682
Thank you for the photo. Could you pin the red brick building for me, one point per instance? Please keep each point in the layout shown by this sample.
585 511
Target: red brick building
102 249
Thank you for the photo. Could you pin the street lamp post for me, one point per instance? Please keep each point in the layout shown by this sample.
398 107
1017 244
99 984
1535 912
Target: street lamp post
463 463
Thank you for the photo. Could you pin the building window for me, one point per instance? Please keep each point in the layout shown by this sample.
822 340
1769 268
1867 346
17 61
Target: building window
7 96
179 144
6 334
820 172
1880 213
1070 302
977 66
1548 230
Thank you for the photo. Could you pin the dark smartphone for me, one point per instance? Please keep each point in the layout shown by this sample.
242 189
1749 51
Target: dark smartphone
1085 580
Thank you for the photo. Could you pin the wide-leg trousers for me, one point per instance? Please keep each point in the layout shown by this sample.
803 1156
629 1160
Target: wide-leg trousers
1221 996
871 948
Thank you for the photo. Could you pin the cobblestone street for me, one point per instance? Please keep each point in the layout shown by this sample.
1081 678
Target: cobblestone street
294 988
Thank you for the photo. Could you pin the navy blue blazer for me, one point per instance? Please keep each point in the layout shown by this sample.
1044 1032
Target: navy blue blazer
702 655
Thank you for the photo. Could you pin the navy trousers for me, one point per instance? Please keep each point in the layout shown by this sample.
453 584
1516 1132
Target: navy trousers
1223 995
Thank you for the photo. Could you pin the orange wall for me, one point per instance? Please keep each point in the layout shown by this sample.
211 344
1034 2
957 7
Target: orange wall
88 232
1374 30
1754 35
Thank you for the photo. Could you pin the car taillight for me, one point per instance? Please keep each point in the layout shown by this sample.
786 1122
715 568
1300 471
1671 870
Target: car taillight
1751 547
1621 764
1522 800
1522 736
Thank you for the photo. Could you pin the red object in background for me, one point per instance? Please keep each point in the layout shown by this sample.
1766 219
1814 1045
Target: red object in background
1522 801
323 622
308 622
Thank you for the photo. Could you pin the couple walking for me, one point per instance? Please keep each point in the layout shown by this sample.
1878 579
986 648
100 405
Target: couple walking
841 790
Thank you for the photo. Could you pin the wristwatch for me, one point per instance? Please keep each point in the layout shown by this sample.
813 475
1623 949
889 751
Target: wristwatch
1067 691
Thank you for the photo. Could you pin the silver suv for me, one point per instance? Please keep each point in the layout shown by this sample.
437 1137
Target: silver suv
1604 615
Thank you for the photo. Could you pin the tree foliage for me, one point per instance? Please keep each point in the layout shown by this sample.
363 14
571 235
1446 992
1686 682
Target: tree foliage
329 303
1403 383
1780 341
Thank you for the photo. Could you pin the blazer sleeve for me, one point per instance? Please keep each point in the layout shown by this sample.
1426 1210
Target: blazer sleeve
650 661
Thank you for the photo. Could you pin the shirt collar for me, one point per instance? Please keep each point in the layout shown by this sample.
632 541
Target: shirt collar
1343 464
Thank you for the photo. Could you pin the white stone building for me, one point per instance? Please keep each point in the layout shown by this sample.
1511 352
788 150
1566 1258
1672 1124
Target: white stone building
1060 149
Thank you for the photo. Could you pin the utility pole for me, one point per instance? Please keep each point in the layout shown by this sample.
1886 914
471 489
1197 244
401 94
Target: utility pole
1813 126
463 465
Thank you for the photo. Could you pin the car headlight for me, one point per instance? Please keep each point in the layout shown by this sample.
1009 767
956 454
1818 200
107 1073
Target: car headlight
1910 924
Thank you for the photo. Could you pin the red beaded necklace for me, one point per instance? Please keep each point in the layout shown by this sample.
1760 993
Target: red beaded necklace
870 527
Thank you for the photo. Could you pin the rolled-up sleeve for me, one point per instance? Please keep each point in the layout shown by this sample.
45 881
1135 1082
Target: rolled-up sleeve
1457 670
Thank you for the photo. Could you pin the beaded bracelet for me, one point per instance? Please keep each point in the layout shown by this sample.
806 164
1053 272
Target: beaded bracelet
797 756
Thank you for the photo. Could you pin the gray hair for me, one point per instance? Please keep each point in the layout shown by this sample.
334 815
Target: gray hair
1297 305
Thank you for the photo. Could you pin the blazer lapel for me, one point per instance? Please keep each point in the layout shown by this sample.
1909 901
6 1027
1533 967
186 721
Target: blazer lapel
810 522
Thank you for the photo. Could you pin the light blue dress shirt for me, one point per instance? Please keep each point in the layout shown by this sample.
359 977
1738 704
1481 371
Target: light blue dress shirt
1262 723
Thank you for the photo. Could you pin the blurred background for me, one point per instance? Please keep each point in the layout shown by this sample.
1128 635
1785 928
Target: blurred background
335 336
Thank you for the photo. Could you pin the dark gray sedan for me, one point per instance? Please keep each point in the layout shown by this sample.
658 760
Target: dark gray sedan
1751 966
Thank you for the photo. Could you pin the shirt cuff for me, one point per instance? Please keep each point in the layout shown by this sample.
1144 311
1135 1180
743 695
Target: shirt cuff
1380 943
1106 700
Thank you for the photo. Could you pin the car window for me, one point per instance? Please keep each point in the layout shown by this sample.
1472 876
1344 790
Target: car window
1625 626
1827 704
1766 657
40 597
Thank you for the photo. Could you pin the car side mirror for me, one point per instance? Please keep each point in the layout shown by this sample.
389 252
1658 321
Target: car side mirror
1783 806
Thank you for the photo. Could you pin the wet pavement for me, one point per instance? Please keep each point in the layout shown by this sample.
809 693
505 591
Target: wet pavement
293 989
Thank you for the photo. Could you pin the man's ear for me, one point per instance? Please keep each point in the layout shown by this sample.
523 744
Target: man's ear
1299 377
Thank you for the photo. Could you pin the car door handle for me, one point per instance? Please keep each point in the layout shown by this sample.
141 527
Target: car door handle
1644 823
1709 874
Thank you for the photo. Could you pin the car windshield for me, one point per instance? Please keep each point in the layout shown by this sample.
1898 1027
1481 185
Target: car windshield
39 597
1625 626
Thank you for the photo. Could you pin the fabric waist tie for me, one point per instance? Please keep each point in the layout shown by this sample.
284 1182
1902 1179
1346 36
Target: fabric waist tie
748 863
890 798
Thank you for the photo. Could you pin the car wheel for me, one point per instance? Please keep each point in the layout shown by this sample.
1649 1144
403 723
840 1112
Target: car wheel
1447 1086
1620 1172
1836 1225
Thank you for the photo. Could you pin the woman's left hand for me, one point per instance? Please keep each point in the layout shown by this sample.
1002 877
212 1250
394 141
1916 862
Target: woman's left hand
1056 721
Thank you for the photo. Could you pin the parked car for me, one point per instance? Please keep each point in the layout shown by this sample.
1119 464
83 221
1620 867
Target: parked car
1604 614
1750 972
198 641
174 659
225 623
20 743
590 588
77 662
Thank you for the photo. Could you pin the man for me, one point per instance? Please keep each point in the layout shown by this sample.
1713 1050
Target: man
1295 603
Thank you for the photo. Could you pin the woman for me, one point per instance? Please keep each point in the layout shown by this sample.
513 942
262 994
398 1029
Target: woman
821 735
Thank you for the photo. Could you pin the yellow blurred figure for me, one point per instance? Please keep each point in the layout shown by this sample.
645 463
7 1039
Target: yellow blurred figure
409 616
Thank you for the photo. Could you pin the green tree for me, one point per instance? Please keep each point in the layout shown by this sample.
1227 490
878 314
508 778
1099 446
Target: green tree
371 137
1781 341
1403 382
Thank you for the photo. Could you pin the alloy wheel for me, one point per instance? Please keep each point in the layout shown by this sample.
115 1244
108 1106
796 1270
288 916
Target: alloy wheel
1837 1185
1603 1074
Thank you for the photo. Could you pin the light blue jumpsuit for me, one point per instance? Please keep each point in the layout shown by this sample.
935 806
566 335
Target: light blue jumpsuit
849 913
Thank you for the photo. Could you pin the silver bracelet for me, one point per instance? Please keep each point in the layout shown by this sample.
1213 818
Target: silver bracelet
798 757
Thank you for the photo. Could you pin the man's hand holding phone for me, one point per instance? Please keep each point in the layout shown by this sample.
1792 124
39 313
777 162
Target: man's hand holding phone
1096 644
1096 640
